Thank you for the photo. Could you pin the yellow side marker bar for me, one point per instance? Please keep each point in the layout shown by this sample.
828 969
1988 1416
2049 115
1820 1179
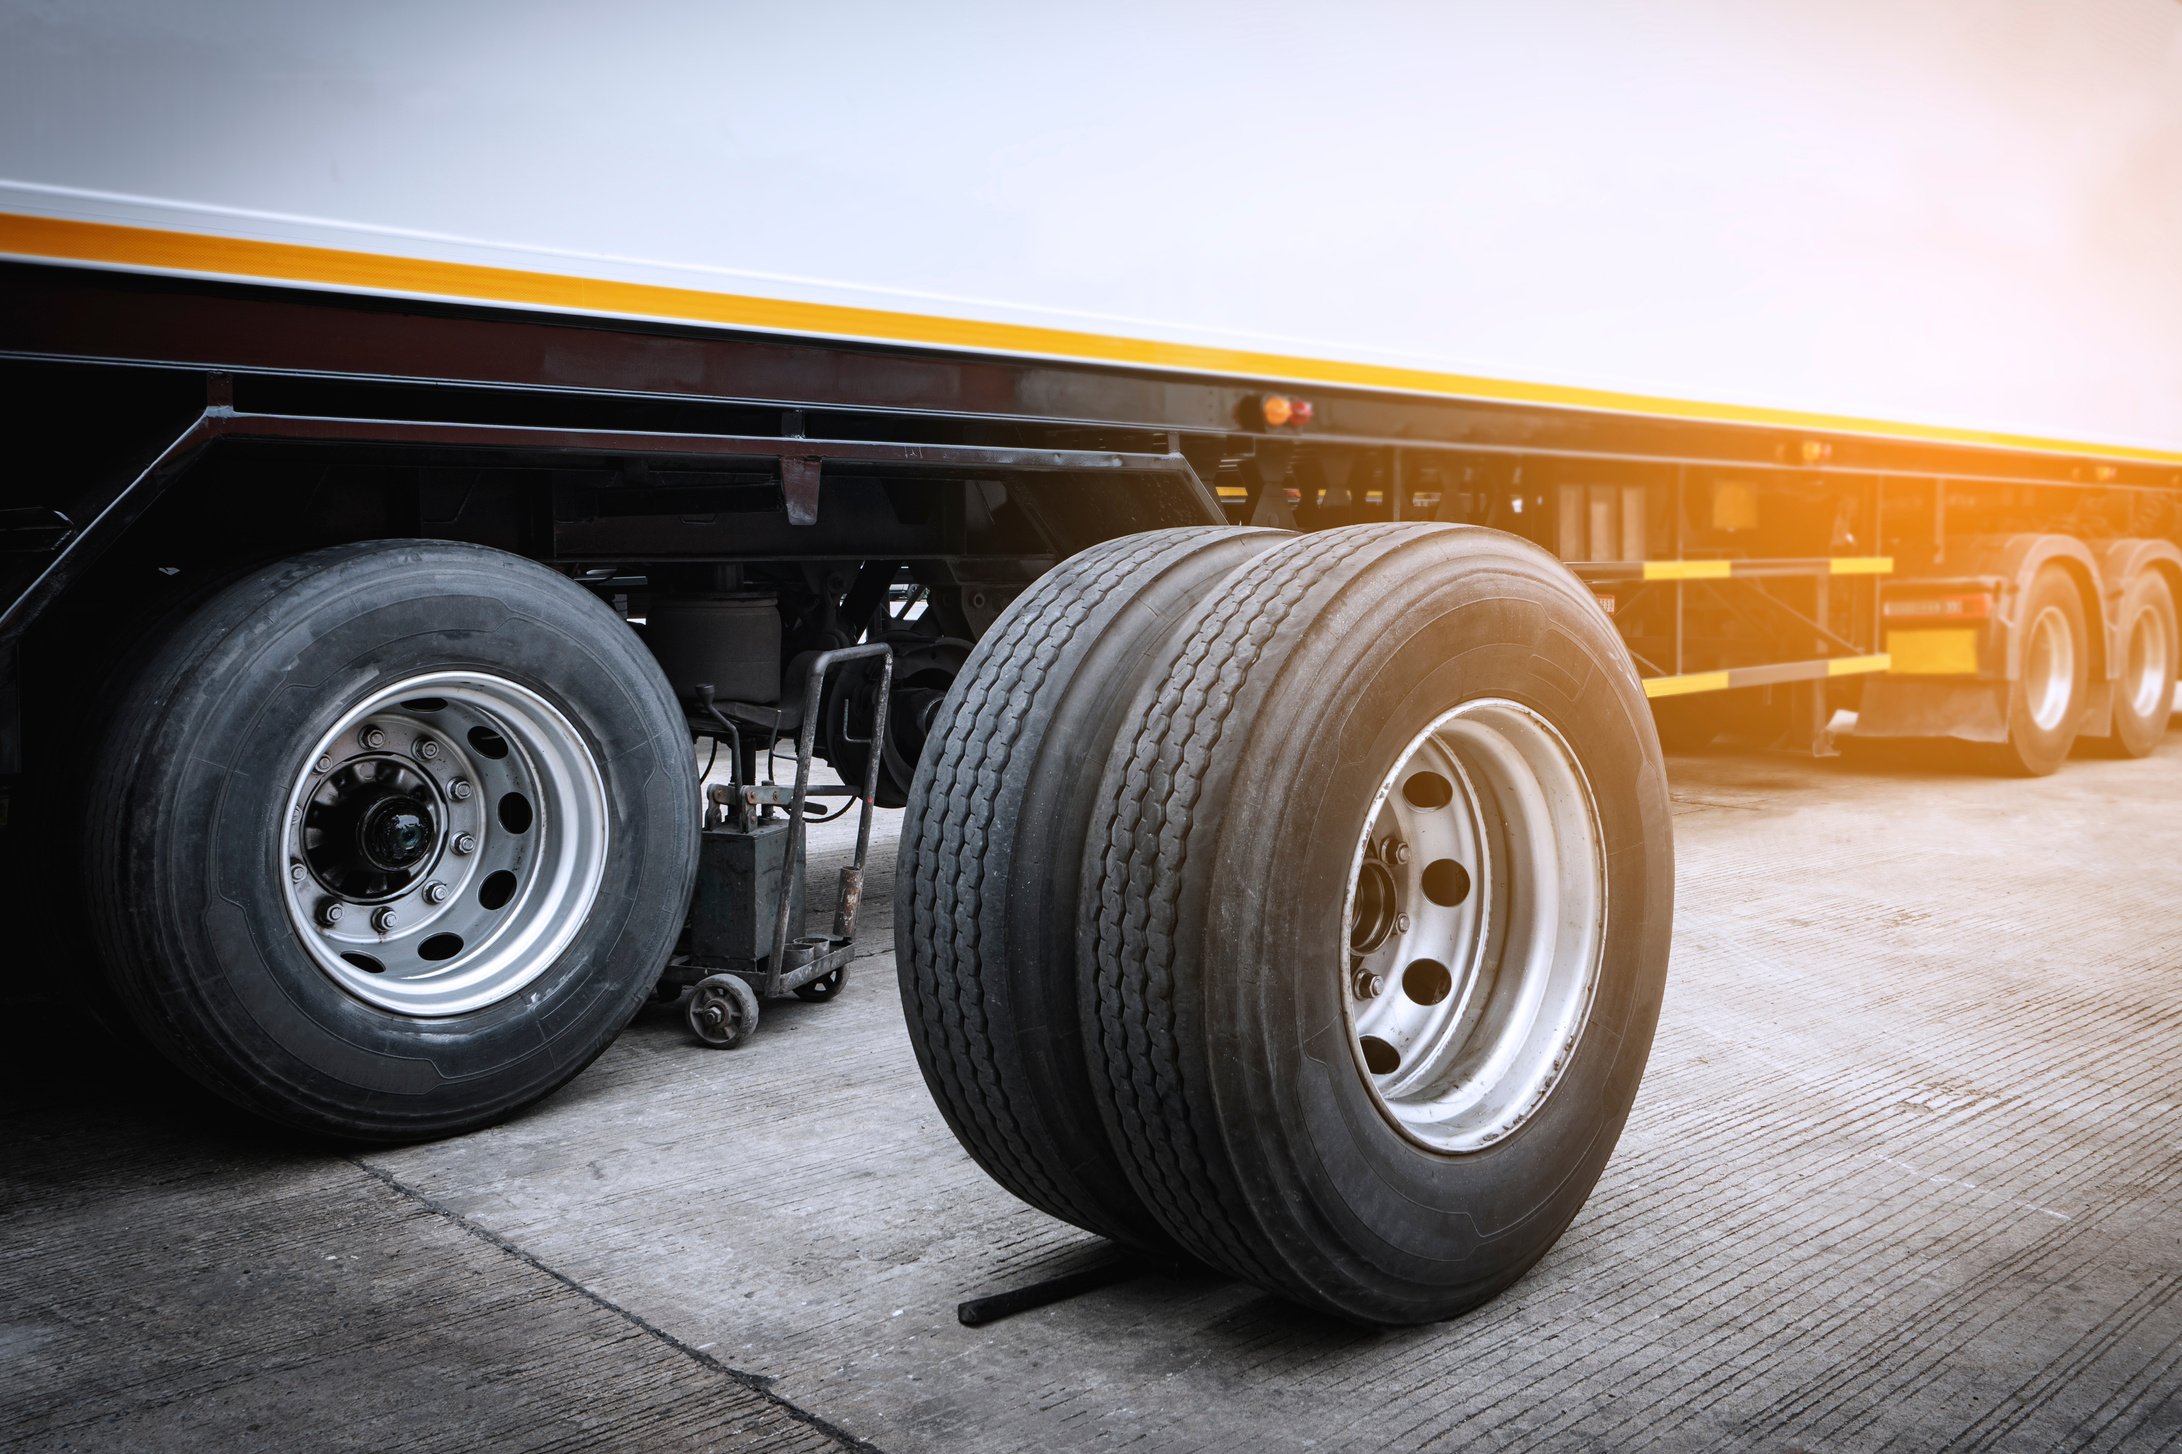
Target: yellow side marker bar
1688 570
1768 675
1720 570
1696 681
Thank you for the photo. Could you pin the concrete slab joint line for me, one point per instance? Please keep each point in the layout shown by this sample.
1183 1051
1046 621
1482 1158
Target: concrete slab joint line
757 1383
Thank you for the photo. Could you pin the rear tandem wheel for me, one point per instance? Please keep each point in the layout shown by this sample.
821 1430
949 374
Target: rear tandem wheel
389 839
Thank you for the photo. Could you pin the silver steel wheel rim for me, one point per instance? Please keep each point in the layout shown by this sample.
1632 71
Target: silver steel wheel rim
2150 666
1473 926
444 842
2049 668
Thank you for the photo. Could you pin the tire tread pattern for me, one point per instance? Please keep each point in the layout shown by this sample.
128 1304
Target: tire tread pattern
983 746
1154 1088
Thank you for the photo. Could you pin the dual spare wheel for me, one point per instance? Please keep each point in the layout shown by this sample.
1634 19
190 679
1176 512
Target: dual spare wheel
1297 902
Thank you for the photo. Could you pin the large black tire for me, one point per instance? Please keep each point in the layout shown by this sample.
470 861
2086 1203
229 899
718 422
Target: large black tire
186 834
2042 728
1245 1106
991 853
2144 687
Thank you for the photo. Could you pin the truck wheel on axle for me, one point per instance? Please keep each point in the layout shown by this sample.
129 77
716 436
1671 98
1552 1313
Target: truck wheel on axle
390 839
723 1010
991 849
2144 688
2046 701
1376 916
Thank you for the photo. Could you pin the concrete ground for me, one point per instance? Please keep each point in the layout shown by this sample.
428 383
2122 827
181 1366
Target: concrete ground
1906 1172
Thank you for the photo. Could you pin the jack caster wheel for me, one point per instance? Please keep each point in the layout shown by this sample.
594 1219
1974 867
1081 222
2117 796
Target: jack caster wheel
723 1010
825 987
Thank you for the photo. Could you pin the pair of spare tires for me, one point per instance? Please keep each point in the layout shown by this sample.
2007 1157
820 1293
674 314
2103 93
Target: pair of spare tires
1297 903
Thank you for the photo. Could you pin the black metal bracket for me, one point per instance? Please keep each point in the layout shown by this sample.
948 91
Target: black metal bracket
1108 1265
799 463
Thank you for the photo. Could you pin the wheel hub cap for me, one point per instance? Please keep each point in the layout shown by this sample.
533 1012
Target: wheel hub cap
396 833
1473 926
446 840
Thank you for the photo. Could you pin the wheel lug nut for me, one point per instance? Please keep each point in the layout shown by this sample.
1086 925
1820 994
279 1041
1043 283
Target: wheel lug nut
384 920
465 843
427 748
1401 853
435 892
1401 923
295 873
372 738
1368 985
329 913
459 790
325 764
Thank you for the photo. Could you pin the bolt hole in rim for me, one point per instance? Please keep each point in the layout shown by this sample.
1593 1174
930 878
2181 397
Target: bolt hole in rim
486 883
1463 1017
2049 670
2149 663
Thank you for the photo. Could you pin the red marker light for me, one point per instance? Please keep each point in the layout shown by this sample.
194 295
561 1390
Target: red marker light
1976 606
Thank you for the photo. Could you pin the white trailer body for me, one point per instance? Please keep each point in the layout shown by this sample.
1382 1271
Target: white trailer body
1955 220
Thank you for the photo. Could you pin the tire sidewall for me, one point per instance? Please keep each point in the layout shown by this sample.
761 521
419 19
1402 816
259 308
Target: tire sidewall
1402 1231
221 767
2148 593
2040 750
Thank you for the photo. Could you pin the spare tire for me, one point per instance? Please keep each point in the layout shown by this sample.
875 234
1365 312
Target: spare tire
990 859
1378 926
390 839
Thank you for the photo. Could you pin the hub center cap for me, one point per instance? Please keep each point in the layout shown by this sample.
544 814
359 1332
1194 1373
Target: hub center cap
395 833
370 828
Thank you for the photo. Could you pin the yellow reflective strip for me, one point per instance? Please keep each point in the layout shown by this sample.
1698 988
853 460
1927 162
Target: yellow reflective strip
1863 565
1849 666
1696 681
1948 651
1688 570
110 244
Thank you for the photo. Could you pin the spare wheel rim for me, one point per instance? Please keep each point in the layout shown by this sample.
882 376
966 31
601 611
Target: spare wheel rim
1466 995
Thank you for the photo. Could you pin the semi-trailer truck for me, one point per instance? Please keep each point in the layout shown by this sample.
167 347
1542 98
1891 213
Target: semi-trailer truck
1254 486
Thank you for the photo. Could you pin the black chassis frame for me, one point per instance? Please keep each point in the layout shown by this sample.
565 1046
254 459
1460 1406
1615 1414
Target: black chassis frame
654 448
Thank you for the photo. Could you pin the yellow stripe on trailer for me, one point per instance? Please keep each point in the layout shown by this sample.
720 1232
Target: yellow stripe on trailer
1688 570
1849 666
1863 565
109 244
1696 681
